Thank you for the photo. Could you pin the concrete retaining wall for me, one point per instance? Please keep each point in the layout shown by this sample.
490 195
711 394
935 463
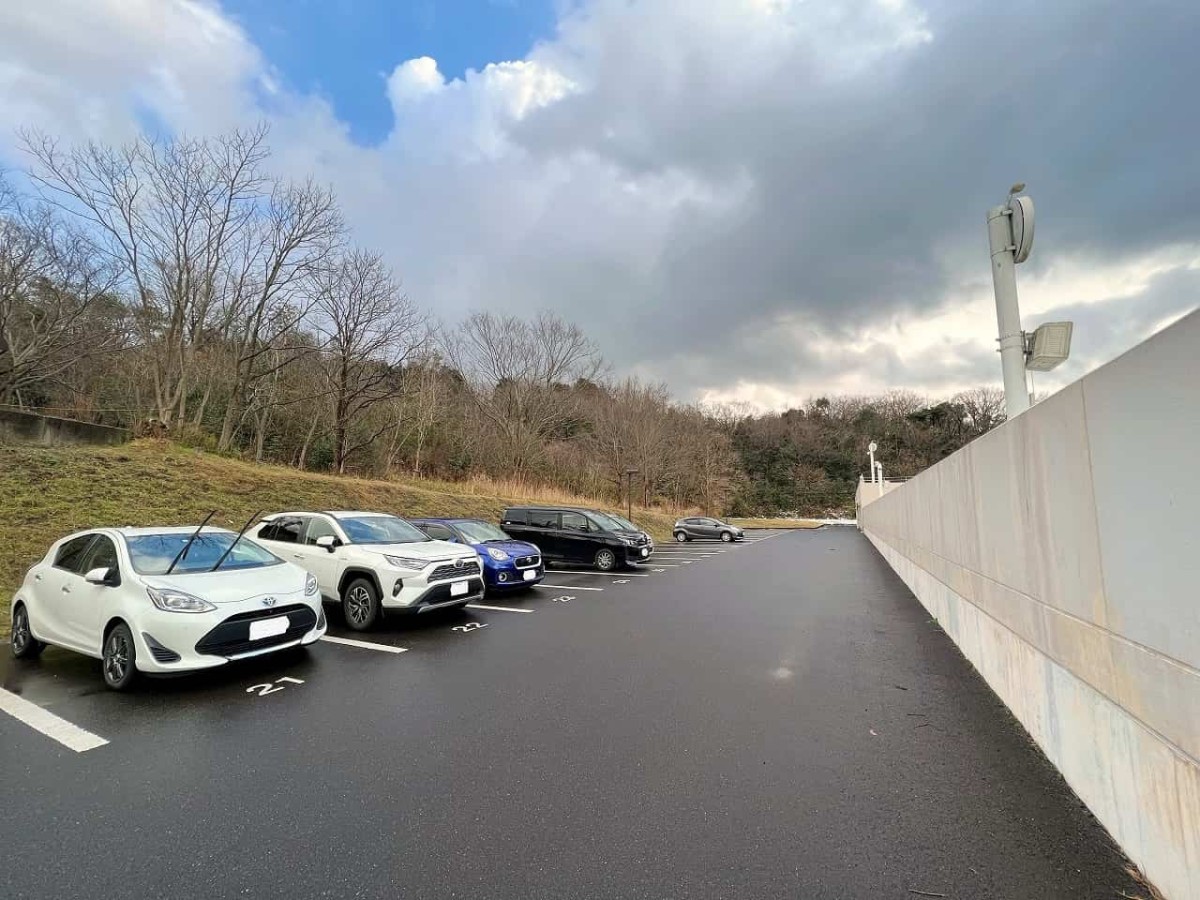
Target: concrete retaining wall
1061 552
27 428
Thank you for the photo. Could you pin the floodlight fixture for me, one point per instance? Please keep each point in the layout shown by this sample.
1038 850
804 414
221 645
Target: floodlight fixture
1048 346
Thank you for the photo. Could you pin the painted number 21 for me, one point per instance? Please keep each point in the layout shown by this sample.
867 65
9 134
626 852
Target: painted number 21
263 689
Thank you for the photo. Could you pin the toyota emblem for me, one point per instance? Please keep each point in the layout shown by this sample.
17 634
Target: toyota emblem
458 563
268 601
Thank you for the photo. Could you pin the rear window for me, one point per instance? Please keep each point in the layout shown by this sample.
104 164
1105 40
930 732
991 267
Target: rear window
517 516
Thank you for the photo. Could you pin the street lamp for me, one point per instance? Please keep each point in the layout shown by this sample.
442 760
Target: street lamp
1010 236
629 473
871 448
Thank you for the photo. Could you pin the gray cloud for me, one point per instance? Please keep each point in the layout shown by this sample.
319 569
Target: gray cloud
747 190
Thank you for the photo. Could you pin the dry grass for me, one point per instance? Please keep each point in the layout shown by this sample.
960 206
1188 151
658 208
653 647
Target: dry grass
775 523
46 493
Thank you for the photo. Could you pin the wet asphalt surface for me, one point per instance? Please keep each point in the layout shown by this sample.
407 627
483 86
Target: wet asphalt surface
772 719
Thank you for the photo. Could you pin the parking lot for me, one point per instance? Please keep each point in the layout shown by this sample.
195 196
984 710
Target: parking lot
777 717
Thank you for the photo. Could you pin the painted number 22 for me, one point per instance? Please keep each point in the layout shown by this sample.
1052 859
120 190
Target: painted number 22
263 689
470 626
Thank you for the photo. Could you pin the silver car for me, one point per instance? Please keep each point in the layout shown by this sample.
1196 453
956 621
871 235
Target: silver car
700 528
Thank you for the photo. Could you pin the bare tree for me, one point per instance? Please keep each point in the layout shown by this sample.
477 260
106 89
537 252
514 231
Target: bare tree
983 408
521 374
272 282
54 292
169 214
370 330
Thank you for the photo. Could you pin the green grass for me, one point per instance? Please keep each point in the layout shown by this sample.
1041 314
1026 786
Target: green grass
46 493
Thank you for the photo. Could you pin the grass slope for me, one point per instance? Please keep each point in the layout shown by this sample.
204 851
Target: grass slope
46 493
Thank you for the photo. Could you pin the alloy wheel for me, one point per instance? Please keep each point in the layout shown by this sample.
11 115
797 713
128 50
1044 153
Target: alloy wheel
606 560
116 657
358 605
21 635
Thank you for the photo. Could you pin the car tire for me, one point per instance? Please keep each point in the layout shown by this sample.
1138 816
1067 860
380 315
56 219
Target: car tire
606 560
726 537
360 605
24 644
119 658
681 537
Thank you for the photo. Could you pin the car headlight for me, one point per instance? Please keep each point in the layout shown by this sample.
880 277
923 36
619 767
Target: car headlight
310 586
406 562
498 555
170 600
629 542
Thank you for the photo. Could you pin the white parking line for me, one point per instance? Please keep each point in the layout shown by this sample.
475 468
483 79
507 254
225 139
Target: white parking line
599 574
566 587
497 608
366 645
683 558
70 736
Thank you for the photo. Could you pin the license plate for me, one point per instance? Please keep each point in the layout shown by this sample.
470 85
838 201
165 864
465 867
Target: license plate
530 574
458 588
265 628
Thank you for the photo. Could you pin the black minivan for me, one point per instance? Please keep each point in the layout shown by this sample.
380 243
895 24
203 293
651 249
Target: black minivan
569 534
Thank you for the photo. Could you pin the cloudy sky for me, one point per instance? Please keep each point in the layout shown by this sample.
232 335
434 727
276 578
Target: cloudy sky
758 200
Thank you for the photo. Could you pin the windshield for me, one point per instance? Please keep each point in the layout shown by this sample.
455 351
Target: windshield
481 532
381 530
623 522
151 554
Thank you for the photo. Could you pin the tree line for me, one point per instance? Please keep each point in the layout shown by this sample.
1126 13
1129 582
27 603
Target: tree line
178 287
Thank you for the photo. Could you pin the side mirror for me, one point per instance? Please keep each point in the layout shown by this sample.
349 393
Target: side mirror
329 542
101 575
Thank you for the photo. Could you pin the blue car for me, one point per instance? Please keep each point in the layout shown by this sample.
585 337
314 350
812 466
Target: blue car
507 564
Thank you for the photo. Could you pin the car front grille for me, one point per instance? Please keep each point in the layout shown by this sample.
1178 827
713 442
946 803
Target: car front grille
525 562
232 637
450 570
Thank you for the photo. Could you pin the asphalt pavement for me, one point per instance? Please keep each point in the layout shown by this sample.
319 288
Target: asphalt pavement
778 718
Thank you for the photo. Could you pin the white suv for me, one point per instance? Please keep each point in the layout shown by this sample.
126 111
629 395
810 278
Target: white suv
371 562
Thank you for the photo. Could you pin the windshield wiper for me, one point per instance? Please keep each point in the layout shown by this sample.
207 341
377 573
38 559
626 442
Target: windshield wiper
233 543
182 554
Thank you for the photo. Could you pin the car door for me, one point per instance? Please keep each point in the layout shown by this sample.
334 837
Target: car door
324 565
52 588
579 543
710 528
543 530
85 604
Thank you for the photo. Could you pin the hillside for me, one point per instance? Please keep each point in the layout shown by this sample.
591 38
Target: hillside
46 493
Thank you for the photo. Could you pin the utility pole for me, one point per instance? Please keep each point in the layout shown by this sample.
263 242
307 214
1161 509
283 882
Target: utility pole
1010 236
629 473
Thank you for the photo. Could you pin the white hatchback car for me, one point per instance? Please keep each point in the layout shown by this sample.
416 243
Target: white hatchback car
164 600
371 562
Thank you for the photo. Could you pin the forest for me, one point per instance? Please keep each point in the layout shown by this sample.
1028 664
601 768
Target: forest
178 288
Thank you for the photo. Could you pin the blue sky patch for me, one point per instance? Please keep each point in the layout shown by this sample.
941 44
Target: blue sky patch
344 49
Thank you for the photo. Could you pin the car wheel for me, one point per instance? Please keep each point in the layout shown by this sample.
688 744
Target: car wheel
606 560
119 660
681 536
24 644
360 605
726 537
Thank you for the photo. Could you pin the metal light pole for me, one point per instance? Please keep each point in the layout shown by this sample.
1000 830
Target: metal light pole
629 493
1010 235
879 480
871 448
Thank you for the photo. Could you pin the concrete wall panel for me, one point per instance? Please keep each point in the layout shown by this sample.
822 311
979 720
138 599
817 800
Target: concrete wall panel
1061 552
